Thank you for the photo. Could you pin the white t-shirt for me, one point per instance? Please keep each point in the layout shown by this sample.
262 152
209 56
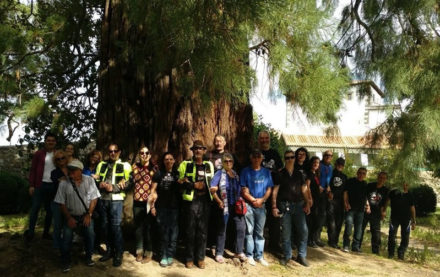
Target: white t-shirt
48 167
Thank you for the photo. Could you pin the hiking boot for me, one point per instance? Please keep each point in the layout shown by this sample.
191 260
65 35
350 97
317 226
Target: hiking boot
345 249
201 264
302 261
139 258
189 264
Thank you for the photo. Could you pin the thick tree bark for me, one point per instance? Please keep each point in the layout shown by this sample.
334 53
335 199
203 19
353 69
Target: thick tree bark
136 108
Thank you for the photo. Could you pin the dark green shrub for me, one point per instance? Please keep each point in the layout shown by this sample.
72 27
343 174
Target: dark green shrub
425 199
14 196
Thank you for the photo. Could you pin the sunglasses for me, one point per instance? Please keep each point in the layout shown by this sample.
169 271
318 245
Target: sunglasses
144 153
60 158
198 148
228 161
328 155
113 151
289 158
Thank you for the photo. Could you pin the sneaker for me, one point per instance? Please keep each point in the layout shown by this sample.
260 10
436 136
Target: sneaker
312 244
319 243
283 262
263 262
242 257
164 262
170 261
302 261
251 261
146 260
107 256
90 262
219 259
345 249
66 268
355 250
139 257
117 260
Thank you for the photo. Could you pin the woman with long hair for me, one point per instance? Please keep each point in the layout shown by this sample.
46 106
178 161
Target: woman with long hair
167 207
144 195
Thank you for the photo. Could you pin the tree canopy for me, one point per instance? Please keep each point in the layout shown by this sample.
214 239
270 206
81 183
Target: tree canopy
205 44
397 43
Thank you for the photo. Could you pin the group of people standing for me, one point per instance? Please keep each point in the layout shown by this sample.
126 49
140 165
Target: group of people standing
202 195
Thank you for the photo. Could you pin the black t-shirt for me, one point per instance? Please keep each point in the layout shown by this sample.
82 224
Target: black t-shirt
337 183
168 193
401 204
377 198
357 194
200 176
272 160
314 187
290 186
216 159
303 169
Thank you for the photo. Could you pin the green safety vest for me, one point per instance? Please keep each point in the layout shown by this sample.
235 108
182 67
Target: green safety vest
120 170
188 169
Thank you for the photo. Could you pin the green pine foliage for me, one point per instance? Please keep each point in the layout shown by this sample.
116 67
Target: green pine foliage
397 43
205 44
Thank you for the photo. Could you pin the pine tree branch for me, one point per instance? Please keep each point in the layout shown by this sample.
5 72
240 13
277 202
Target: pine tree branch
355 13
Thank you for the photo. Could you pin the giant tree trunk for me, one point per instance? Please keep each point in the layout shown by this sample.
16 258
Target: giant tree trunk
138 107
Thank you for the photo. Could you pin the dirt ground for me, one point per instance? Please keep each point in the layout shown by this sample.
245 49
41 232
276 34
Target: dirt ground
41 260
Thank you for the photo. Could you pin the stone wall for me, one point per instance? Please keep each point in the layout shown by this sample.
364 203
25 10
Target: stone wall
15 159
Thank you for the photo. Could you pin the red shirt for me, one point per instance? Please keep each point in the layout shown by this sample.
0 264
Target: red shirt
37 168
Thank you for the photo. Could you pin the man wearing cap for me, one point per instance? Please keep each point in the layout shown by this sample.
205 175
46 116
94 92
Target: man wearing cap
272 161
112 179
256 182
335 209
77 197
195 176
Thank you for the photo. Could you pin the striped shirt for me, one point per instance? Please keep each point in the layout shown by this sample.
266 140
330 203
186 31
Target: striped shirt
66 195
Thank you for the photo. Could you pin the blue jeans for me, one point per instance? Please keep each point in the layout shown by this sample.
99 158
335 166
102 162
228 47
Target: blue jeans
86 232
168 224
57 224
255 219
240 228
111 212
353 218
295 214
42 195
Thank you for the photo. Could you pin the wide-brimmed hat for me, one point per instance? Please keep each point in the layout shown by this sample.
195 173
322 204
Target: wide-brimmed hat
198 144
75 164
